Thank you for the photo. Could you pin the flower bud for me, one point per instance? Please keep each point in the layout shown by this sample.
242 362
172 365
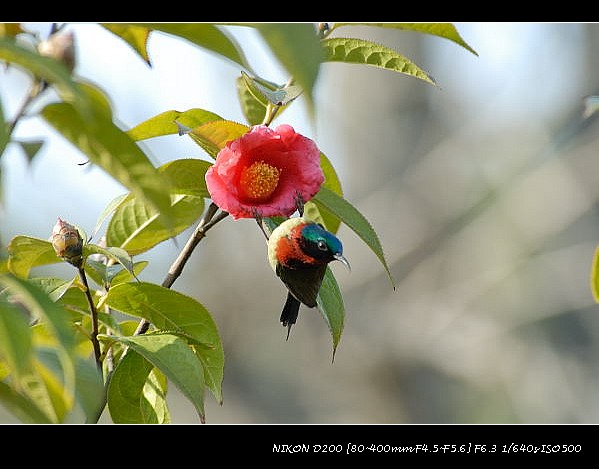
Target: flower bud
59 46
67 242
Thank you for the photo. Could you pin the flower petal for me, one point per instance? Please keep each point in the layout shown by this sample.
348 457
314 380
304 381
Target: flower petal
294 158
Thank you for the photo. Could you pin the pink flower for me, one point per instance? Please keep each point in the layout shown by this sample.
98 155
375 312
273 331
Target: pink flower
264 172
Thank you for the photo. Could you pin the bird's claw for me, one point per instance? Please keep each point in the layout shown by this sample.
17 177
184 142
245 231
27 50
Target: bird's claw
299 203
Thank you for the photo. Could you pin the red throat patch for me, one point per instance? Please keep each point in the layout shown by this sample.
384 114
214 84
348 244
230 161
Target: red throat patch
289 252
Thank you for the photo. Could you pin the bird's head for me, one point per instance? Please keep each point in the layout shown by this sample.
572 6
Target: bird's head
320 244
301 243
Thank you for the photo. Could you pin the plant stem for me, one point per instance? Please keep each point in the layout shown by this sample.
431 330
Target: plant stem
36 88
270 114
273 109
208 221
94 314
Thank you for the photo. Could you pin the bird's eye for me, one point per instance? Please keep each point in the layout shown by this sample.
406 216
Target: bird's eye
322 245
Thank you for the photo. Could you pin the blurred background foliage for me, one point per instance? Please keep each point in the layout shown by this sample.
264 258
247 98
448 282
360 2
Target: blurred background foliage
484 193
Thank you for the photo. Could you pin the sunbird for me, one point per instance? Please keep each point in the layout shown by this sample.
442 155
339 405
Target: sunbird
299 251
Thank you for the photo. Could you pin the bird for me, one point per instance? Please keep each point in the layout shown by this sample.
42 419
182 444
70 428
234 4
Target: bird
299 251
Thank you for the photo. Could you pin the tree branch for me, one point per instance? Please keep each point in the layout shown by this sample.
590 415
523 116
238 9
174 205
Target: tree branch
207 221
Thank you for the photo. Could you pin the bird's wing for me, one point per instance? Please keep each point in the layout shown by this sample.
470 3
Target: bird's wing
304 284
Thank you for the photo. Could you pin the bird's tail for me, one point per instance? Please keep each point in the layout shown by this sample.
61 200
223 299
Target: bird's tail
290 312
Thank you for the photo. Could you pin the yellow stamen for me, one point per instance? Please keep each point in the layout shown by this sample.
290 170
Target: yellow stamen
259 180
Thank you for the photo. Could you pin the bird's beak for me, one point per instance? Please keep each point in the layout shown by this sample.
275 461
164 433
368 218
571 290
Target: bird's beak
343 260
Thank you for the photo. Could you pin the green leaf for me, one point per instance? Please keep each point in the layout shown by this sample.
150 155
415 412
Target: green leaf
113 150
124 276
187 176
30 148
21 406
297 47
255 94
42 307
361 51
74 300
332 181
54 287
117 254
135 36
252 107
43 389
110 322
47 69
173 311
43 336
26 252
330 304
155 392
55 388
204 35
444 30
266 92
3 259
108 210
52 388
16 346
213 136
323 216
338 206
4 138
90 389
104 274
311 212
41 396
136 228
165 123
127 401
97 270
595 275
97 98
172 356
255 89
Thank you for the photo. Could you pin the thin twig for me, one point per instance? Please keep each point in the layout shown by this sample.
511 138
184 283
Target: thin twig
94 314
204 225
270 114
208 221
36 88
273 109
